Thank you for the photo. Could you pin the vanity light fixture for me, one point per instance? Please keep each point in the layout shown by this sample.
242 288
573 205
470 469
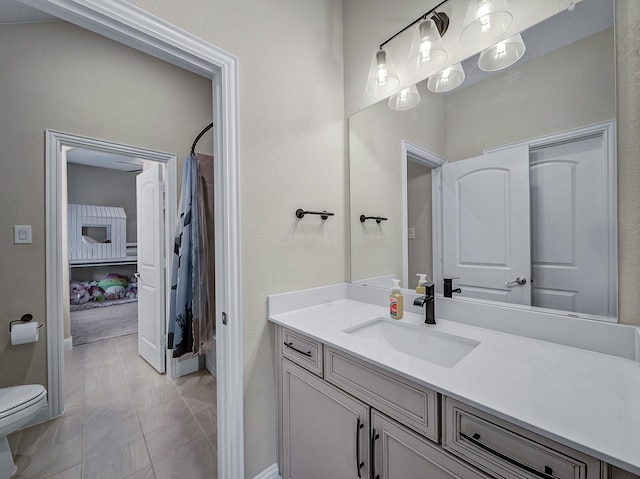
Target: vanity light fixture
448 79
502 54
383 79
427 51
485 21
405 99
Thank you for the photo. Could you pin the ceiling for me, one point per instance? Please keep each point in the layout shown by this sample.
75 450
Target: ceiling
14 12
101 159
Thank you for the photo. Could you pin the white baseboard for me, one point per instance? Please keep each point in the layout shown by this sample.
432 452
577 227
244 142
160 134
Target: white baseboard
270 472
68 343
187 366
210 360
210 365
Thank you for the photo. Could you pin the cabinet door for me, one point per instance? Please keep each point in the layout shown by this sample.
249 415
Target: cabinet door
324 431
399 453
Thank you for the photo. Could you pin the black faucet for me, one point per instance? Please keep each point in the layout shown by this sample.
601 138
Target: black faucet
448 288
429 303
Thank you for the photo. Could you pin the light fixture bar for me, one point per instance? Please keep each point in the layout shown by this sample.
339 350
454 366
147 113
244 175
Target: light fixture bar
440 19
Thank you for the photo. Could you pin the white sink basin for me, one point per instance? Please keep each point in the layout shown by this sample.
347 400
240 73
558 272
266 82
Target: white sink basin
415 340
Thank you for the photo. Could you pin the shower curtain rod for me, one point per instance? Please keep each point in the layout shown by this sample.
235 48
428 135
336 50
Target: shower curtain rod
200 135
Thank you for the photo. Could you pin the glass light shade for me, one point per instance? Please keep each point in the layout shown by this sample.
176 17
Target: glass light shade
405 99
502 54
383 79
485 21
447 79
427 50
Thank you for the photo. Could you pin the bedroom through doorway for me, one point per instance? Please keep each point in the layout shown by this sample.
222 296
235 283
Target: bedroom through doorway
102 216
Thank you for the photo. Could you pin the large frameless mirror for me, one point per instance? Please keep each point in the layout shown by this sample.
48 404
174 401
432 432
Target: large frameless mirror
506 182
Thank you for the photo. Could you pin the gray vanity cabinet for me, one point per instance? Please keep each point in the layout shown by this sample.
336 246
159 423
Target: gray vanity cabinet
399 453
325 432
344 418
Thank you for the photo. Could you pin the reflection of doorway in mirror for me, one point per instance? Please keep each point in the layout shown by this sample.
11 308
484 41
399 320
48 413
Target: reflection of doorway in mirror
419 244
421 175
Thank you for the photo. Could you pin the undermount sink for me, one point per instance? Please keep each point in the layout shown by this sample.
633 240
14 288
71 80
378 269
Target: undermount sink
416 340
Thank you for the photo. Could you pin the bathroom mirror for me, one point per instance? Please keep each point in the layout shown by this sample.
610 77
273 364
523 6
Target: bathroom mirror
561 92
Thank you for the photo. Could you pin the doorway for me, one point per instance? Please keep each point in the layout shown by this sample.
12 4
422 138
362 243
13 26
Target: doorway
101 245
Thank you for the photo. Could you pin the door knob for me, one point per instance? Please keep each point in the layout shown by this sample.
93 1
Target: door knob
520 281
137 275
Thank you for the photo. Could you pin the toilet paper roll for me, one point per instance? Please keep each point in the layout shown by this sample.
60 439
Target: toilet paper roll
25 333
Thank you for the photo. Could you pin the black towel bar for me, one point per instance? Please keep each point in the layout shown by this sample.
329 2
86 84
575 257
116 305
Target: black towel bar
379 219
323 214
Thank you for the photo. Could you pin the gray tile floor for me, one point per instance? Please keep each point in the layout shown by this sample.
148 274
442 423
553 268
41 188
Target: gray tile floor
123 420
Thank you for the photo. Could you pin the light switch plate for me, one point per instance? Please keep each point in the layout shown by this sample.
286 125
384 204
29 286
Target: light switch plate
412 233
22 234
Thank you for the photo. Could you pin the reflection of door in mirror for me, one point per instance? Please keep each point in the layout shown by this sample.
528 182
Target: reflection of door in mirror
486 239
553 200
419 247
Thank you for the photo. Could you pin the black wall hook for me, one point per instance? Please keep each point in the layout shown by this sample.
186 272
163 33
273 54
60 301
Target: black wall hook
323 214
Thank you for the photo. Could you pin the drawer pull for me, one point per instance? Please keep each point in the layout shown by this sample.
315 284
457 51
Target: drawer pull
359 465
374 438
475 439
291 346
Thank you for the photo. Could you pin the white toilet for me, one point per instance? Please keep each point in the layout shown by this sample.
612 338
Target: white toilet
18 405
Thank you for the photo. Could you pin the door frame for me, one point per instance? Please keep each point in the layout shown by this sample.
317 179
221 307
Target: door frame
138 29
56 182
412 152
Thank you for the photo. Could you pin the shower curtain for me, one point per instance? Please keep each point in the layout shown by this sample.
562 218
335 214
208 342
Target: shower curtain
190 314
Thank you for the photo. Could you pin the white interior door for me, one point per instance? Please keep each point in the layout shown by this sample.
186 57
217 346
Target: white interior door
486 239
570 227
151 287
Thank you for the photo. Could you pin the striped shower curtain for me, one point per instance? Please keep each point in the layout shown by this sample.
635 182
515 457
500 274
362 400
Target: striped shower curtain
190 314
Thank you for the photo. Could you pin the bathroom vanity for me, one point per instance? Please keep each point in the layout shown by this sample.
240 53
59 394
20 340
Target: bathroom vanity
363 396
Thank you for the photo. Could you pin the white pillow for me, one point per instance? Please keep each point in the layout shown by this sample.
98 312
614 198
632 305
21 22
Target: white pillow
88 240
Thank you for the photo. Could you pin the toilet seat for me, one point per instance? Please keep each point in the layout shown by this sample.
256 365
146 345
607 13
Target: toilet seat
18 398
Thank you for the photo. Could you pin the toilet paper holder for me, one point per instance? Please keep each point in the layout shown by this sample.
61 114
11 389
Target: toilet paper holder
24 319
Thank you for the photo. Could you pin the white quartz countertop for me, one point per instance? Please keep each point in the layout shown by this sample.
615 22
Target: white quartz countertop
586 400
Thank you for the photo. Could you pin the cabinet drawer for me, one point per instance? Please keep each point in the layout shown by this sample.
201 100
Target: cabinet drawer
409 403
508 451
302 350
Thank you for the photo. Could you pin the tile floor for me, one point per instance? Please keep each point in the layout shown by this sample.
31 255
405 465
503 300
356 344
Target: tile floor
123 420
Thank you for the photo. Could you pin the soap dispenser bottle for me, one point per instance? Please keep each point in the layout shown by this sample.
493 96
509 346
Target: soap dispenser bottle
396 306
422 278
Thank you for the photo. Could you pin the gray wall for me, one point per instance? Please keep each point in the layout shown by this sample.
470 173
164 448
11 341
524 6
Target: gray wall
570 87
419 217
628 96
90 185
57 76
291 156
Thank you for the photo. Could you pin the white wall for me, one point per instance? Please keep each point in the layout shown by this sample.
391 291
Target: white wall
291 156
